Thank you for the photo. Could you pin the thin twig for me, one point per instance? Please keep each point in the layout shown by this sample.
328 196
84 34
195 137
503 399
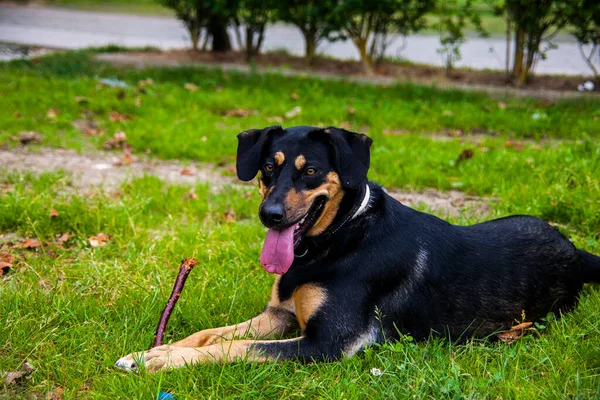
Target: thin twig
184 270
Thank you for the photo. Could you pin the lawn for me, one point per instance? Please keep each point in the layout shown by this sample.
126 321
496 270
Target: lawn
72 309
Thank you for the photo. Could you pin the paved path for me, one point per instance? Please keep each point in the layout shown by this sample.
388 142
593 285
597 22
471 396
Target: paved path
62 28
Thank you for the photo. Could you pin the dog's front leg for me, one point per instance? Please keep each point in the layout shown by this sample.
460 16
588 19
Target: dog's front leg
274 322
168 357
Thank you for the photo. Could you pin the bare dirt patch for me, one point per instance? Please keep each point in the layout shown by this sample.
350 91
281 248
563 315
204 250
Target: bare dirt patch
393 71
106 170
93 170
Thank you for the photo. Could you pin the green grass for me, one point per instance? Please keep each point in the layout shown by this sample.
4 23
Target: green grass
143 7
72 312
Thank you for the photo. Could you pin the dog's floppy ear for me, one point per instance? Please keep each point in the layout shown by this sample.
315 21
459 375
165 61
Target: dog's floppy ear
250 145
352 155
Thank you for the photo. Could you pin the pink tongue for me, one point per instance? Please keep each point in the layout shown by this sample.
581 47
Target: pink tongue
278 251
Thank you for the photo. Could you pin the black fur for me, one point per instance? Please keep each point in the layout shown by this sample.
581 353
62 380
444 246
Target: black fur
394 270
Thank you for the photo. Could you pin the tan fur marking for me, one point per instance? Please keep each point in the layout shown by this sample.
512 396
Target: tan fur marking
300 162
295 204
279 158
262 189
298 203
307 300
335 193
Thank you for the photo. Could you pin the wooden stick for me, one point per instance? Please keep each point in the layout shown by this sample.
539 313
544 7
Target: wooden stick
184 270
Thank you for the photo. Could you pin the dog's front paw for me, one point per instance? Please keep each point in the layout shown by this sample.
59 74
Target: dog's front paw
157 358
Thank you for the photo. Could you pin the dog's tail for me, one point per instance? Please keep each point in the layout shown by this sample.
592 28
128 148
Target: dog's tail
590 266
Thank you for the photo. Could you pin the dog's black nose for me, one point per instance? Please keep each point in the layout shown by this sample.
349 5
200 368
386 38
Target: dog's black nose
272 214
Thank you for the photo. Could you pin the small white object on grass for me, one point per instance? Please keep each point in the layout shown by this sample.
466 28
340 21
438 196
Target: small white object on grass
376 372
102 166
294 112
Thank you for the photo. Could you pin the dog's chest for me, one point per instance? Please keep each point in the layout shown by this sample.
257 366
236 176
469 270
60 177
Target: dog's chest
306 301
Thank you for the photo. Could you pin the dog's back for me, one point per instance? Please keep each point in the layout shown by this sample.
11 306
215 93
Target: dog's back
476 280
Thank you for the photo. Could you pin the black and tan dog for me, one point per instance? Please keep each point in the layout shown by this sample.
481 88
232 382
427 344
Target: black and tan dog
356 266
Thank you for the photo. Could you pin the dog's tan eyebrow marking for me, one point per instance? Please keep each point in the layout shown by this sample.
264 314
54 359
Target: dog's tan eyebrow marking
279 158
300 162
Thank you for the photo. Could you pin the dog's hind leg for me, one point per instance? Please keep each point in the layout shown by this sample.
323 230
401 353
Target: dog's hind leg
590 266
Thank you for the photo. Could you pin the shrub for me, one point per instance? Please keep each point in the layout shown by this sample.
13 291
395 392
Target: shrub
317 20
371 23
584 16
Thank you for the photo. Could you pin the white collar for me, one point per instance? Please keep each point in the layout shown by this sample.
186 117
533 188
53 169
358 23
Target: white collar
364 203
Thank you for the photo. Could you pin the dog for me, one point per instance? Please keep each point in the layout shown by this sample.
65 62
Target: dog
355 267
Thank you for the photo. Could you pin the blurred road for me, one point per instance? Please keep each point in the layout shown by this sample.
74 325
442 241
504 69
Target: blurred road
71 29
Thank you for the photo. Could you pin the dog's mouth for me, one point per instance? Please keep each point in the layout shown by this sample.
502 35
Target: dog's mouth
309 219
277 254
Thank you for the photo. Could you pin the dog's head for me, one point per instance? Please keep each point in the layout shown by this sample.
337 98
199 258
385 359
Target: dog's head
304 173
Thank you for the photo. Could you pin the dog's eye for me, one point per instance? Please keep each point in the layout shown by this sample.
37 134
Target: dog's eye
310 171
269 167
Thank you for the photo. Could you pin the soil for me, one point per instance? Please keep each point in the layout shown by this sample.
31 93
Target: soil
406 72
92 171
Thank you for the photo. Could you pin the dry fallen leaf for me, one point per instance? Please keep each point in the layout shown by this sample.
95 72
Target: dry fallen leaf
191 87
7 258
191 195
93 132
466 154
52 113
127 158
278 120
82 99
31 243
86 126
10 378
6 263
294 96
64 238
187 172
99 240
239 112
57 394
116 116
116 142
294 112
27 137
138 101
54 213
229 215
351 110
501 105
515 332
146 82
454 132
514 144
